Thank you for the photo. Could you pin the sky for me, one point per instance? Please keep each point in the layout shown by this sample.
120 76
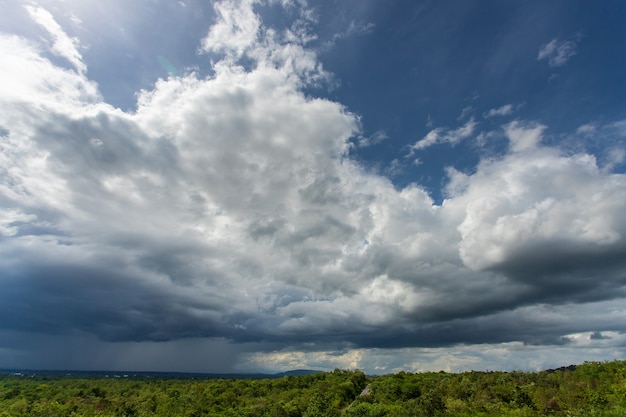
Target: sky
266 185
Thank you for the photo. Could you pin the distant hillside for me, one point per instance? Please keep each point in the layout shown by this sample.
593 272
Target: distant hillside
153 375
296 372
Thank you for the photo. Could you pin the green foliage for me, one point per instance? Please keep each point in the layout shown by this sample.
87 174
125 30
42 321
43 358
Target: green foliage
590 389
320 405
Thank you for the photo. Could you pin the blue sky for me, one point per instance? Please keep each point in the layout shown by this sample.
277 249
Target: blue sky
269 185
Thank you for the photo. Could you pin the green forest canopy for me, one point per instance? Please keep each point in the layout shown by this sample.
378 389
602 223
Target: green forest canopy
590 389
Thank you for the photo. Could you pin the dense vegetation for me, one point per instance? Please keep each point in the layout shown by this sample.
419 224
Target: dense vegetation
591 389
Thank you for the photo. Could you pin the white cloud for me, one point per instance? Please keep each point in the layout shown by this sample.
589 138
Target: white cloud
443 135
30 78
355 29
536 199
587 129
524 136
374 139
611 138
557 53
619 127
290 360
10 219
500 111
466 112
236 30
616 156
429 121
63 45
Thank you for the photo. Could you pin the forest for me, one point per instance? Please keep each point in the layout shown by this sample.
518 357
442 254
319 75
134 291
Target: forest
588 389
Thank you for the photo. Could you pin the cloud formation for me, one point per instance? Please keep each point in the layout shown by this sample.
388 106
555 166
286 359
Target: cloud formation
374 139
505 110
227 208
62 45
443 135
557 53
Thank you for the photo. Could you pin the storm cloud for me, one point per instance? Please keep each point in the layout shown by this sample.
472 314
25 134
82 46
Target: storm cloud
227 208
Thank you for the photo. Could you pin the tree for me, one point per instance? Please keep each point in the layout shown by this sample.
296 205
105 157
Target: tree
320 406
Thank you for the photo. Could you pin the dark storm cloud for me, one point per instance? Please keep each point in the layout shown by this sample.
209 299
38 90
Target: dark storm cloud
598 336
557 271
105 300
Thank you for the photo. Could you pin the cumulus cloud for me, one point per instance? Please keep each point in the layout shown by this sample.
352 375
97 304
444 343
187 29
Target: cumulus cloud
31 78
543 200
611 136
524 136
240 37
226 208
236 30
557 53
